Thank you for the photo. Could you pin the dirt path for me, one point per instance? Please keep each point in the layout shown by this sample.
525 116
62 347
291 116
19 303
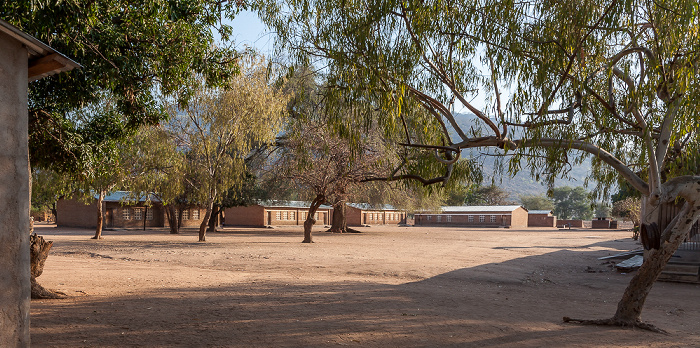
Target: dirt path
386 287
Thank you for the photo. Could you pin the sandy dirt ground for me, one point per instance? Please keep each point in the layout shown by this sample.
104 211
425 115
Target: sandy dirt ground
385 287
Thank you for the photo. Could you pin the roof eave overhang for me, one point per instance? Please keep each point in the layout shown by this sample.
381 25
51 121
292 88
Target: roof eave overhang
43 60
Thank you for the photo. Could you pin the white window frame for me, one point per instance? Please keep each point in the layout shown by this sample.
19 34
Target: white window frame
449 218
493 218
439 218
138 213
149 214
195 214
470 218
482 218
278 215
185 214
126 213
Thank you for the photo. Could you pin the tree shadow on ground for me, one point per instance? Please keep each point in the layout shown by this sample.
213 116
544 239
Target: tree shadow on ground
516 303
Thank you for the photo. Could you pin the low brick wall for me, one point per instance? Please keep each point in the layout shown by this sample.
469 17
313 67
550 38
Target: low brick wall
573 223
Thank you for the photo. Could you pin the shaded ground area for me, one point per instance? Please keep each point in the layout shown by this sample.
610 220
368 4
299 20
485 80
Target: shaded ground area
386 287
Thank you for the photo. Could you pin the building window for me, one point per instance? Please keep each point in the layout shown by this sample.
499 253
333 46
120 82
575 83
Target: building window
291 215
126 213
185 214
429 216
470 218
449 218
278 215
482 218
195 214
439 218
285 216
149 214
493 218
138 214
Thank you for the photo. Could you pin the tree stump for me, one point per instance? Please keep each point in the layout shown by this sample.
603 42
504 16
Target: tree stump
39 251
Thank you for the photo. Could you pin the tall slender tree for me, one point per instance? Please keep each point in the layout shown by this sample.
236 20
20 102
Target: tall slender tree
218 129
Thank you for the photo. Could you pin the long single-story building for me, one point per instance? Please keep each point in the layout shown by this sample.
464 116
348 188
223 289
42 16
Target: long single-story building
360 214
508 216
275 213
121 211
541 218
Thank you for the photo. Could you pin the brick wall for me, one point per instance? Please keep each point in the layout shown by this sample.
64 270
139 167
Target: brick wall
463 220
540 220
256 215
115 216
245 216
353 216
73 212
574 223
600 224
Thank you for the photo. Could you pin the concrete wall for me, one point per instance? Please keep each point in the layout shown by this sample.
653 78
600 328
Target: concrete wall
541 220
14 195
519 218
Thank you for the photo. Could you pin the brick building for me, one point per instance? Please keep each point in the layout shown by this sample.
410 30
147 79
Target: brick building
508 216
275 213
360 214
541 218
121 211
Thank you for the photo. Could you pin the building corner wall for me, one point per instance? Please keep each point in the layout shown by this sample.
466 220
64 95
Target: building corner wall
14 195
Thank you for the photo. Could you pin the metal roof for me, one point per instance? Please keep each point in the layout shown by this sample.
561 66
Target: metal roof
43 60
126 197
367 206
539 212
481 208
289 204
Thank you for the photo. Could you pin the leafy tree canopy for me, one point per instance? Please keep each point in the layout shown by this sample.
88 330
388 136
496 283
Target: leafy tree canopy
572 203
541 202
131 52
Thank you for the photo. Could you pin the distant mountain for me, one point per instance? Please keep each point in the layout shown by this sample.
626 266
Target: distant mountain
522 183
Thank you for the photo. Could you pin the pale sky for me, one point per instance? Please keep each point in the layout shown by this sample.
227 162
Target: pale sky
248 30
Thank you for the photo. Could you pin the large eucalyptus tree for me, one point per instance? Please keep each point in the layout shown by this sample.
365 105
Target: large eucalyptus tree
616 80
219 128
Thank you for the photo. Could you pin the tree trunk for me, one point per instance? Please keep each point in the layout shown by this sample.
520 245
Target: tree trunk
661 246
39 251
205 221
54 211
215 219
339 222
100 215
172 219
310 220
629 309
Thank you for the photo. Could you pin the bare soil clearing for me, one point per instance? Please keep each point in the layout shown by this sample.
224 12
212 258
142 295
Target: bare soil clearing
385 287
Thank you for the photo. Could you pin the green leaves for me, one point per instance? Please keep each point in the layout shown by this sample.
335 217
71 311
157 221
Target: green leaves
131 51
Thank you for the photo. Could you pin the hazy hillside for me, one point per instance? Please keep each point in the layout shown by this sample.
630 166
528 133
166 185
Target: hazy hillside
521 183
